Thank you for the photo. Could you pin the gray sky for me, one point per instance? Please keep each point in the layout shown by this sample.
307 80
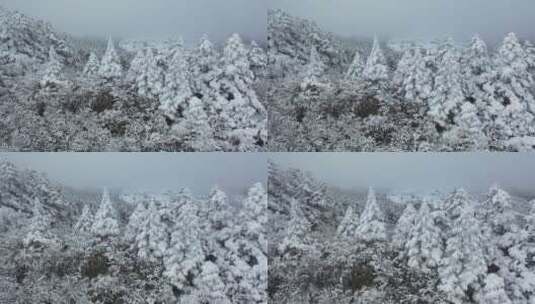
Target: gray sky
188 18
428 18
418 171
233 172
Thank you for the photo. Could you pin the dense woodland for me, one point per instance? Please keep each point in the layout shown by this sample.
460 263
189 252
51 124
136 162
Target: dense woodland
62 245
64 93
332 246
329 93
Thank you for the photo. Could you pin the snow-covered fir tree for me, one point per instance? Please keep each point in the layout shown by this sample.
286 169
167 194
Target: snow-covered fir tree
193 128
39 233
85 221
376 68
424 246
92 66
145 74
205 67
185 255
53 70
258 59
372 220
404 225
356 68
297 230
135 222
177 90
313 71
211 287
152 238
413 78
349 224
110 65
106 222
493 291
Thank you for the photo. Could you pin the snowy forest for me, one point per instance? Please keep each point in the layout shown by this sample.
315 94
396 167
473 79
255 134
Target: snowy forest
65 245
328 245
64 93
332 93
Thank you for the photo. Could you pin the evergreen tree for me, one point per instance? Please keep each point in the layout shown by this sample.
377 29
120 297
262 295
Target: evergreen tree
152 239
194 129
85 221
92 66
376 68
110 66
135 222
412 78
211 288
447 97
463 266
185 256
371 223
348 227
355 70
146 75
258 59
297 231
424 246
53 69
205 68
106 219
405 224
313 71
177 90
39 233
512 87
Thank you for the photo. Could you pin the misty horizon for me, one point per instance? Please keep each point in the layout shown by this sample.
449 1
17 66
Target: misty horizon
418 20
152 172
155 19
416 172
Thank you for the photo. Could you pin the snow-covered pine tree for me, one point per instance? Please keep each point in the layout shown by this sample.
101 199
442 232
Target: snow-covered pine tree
513 87
297 231
110 66
249 245
185 255
145 74
53 69
412 78
240 106
85 221
194 129
39 234
106 222
205 67
493 291
349 224
447 97
405 224
92 66
356 68
258 59
424 245
372 220
135 222
152 240
376 68
177 91
313 72
464 265
211 288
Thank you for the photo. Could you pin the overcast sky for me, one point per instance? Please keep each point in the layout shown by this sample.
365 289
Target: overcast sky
189 18
233 172
427 18
418 171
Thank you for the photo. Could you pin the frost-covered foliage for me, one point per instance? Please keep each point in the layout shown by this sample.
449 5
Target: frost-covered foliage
56 95
418 96
448 248
156 248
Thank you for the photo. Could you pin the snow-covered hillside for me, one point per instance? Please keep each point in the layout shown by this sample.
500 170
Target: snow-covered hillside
403 96
167 247
62 93
453 247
